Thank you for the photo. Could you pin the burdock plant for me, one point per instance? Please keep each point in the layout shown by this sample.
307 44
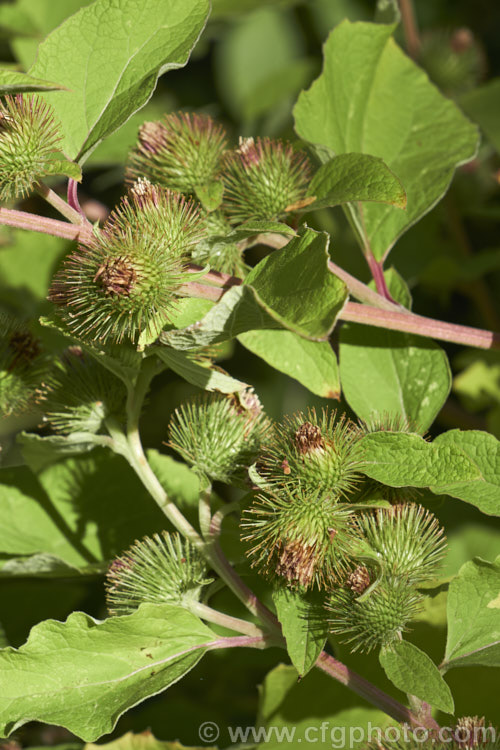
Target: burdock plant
219 435
303 538
82 395
29 137
181 152
157 569
122 282
264 179
24 370
312 453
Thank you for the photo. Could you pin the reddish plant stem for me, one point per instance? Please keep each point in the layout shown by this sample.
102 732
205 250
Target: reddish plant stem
377 272
410 323
73 197
379 311
372 694
22 220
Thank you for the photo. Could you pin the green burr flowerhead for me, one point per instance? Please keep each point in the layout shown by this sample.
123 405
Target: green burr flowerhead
158 569
407 540
302 538
181 152
378 618
264 179
82 395
28 139
123 282
219 435
23 369
314 453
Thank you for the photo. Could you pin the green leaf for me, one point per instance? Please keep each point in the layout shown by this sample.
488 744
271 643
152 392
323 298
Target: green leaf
41 451
210 196
42 565
413 672
387 373
273 690
88 508
28 266
355 177
67 168
482 105
298 616
207 377
483 452
312 363
267 299
14 82
402 459
299 273
474 616
372 99
109 56
251 228
111 666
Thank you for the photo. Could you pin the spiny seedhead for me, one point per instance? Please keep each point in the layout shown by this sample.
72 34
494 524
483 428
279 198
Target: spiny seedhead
158 569
377 619
219 435
28 138
181 153
82 395
23 369
303 538
264 179
123 283
314 453
407 539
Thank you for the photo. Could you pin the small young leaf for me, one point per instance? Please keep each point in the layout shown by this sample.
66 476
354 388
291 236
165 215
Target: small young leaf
355 177
206 377
301 628
474 616
312 363
109 56
67 168
110 665
387 373
372 98
210 196
15 82
413 672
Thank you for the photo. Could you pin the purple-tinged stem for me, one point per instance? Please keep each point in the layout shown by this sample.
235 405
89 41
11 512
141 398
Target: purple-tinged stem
408 322
73 197
372 694
21 220
377 271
